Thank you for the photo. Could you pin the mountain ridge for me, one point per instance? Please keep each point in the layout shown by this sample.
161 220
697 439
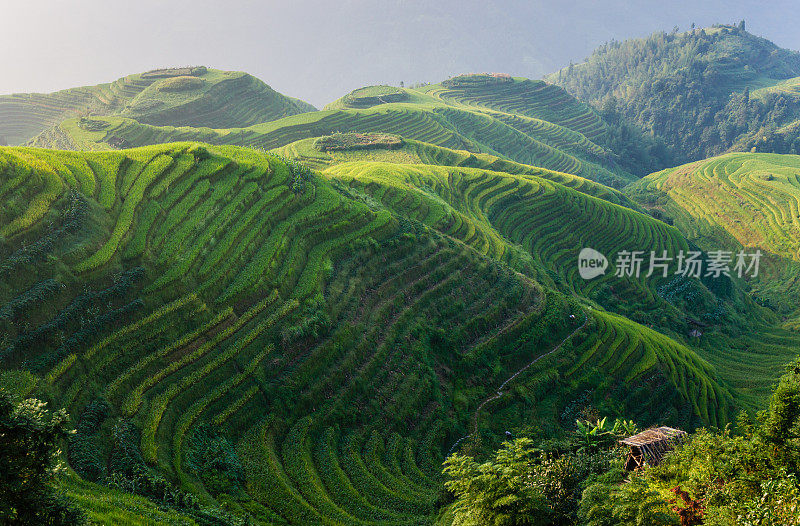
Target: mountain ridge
685 88
26 115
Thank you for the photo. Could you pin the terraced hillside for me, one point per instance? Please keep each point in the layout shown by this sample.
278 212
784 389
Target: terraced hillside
526 141
759 194
180 96
741 201
500 213
415 152
231 330
369 96
750 378
519 96
538 216
737 200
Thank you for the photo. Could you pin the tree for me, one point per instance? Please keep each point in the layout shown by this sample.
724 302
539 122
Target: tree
782 423
601 433
721 478
525 483
631 504
29 438
741 25
498 492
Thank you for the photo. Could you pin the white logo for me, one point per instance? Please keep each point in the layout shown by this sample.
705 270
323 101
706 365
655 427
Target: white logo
591 263
717 263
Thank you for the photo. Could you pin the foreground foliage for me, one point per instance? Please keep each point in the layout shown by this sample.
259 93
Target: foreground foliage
748 476
30 437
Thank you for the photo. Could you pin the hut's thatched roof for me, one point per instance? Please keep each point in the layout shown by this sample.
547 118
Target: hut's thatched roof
651 445
656 434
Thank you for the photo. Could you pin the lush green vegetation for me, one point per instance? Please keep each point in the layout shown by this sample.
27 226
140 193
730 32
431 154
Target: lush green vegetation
734 202
740 202
217 317
747 475
257 313
357 141
525 121
29 438
692 91
179 96
416 152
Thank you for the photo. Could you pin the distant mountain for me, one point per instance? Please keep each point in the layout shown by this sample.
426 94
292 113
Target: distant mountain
195 96
521 120
692 89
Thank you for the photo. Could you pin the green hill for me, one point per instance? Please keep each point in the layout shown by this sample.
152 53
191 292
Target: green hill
690 89
369 96
751 378
406 151
504 97
304 348
256 312
519 96
736 201
440 120
195 96
768 118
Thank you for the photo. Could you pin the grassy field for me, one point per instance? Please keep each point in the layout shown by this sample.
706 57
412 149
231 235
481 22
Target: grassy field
234 334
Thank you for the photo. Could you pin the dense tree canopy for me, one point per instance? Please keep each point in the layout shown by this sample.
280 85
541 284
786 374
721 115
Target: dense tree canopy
692 90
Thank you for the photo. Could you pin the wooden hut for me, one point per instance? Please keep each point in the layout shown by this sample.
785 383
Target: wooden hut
651 445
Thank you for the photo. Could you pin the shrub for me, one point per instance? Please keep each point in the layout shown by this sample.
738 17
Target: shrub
358 141
83 451
214 460
29 438
521 485
477 79
128 471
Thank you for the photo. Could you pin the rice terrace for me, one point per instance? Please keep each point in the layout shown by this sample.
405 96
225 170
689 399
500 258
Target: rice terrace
220 305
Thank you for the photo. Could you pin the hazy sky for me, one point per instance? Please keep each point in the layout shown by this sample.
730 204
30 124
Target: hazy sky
320 50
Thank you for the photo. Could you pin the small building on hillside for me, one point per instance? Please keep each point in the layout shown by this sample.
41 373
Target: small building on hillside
651 445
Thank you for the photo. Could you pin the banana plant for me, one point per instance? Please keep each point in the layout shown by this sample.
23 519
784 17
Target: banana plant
602 431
